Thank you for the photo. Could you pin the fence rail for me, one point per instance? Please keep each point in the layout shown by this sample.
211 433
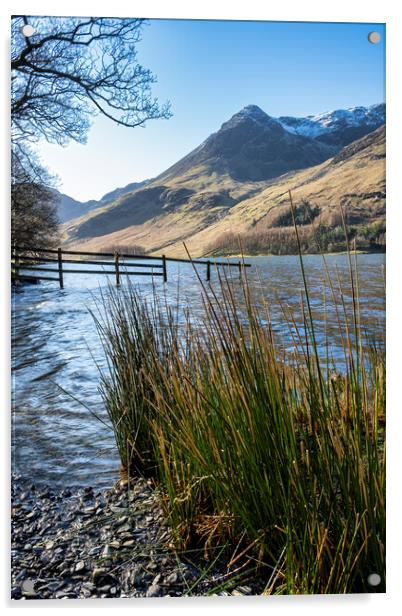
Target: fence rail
31 259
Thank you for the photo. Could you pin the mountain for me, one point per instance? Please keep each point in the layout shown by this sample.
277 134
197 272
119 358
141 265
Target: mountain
244 168
337 128
251 147
69 208
119 192
354 179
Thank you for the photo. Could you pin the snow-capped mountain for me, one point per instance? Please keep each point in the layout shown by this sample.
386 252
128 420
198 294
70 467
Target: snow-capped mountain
252 146
241 168
337 127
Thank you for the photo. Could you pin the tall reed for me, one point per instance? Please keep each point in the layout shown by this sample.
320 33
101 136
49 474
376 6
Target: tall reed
250 445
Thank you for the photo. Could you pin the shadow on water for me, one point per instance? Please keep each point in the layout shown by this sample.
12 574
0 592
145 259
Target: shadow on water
55 439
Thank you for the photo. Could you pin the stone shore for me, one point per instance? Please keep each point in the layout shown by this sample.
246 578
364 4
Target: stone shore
113 543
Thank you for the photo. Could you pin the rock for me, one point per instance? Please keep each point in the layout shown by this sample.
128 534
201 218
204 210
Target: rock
173 578
243 590
44 559
28 590
154 591
88 510
15 592
21 575
51 586
97 574
63 594
106 552
104 589
66 547
118 510
189 573
80 566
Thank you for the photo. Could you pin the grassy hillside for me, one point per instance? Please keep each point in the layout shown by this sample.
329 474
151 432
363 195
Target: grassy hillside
200 206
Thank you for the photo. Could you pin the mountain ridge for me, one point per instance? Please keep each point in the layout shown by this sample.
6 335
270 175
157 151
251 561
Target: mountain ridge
69 208
251 152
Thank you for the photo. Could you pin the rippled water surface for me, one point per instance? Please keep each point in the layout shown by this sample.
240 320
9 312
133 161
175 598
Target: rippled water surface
55 348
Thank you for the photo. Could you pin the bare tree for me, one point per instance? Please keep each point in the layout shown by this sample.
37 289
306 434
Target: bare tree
73 68
34 220
67 71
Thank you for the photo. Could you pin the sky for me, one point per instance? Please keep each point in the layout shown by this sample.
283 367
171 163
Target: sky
209 70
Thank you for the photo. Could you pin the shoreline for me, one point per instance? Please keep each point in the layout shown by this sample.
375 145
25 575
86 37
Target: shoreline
306 254
77 544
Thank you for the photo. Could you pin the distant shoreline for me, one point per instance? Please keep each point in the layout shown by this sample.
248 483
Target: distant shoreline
306 254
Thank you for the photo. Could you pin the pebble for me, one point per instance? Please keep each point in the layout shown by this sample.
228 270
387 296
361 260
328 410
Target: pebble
154 591
106 551
80 566
64 548
28 590
173 578
124 529
97 574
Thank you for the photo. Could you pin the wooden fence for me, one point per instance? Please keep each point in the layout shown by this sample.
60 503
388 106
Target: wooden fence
52 264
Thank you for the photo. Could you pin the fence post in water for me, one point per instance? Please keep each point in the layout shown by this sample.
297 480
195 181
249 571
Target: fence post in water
208 271
116 262
164 270
239 268
60 262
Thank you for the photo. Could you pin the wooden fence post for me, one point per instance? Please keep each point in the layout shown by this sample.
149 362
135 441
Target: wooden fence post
208 271
116 262
164 270
60 262
239 268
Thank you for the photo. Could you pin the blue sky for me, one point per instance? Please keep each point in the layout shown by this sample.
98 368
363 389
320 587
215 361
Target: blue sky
209 70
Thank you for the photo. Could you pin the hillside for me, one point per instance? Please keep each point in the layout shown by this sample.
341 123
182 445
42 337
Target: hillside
237 181
69 208
353 179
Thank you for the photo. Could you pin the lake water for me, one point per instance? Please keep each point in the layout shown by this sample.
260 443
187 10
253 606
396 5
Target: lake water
55 438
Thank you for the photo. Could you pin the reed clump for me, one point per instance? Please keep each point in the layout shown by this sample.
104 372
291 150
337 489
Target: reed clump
271 454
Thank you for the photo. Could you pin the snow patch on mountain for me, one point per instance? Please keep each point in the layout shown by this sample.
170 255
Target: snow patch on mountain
330 121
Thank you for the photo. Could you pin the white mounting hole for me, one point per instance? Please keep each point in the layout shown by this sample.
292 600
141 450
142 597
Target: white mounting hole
374 579
28 30
374 37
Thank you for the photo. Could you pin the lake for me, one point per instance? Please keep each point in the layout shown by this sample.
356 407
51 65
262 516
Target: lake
56 439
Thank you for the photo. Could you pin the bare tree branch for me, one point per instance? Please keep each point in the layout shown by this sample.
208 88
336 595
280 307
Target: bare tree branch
69 70
73 68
